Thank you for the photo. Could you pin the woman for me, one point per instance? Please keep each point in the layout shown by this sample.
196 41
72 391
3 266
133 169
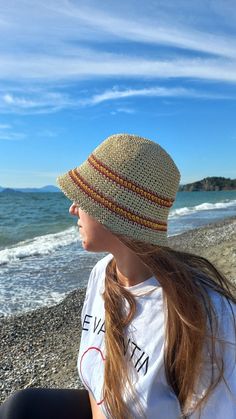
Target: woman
158 325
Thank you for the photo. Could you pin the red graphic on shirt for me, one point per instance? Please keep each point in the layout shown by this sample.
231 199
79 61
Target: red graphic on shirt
85 356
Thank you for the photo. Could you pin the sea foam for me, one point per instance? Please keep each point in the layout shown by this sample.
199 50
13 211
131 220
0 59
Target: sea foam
206 206
41 245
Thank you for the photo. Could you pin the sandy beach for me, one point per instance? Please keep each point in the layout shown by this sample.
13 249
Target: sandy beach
40 348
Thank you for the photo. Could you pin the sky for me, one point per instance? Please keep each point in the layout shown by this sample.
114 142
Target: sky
74 72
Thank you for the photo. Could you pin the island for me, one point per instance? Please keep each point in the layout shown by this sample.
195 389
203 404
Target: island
210 184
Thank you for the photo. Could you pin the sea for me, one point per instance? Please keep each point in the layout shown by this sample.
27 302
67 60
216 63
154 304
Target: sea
41 255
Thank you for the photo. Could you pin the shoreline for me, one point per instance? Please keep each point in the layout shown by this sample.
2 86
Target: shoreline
40 347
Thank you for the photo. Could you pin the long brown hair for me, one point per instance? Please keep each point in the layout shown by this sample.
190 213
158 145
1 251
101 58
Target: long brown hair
190 324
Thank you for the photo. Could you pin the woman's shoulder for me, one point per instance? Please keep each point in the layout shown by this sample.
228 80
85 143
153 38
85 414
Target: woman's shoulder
221 303
225 315
223 306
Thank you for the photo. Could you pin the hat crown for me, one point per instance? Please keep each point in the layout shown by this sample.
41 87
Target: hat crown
140 160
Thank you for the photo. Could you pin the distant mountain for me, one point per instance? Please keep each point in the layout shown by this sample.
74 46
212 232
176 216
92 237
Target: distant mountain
48 188
9 190
210 184
207 184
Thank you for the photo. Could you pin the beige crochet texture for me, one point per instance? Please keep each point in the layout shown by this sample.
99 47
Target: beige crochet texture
128 184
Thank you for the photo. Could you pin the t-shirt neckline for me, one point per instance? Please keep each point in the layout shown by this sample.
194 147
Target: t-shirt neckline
147 284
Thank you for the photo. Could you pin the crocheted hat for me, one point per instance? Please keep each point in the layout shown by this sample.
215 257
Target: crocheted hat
128 184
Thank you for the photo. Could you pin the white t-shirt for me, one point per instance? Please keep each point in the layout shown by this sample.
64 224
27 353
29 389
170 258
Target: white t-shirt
144 346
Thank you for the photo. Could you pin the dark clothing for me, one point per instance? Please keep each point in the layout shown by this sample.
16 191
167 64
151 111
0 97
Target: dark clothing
43 403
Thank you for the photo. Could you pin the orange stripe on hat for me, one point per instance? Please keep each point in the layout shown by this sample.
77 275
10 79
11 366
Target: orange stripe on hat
118 179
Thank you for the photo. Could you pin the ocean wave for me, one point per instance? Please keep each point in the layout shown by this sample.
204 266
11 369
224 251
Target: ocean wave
21 302
42 245
206 206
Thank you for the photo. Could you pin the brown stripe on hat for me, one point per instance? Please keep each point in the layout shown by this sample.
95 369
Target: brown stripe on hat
128 184
113 206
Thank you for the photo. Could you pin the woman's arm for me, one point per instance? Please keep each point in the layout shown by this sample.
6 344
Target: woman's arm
96 411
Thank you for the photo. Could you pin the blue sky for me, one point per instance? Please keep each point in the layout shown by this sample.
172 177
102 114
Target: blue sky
74 72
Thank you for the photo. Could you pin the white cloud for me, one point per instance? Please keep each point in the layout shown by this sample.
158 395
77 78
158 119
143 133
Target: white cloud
22 102
12 136
7 133
40 102
95 64
64 22
148 29
69 41
126 110
115 94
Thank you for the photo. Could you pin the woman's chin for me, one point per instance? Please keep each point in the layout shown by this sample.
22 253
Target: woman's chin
92 247
88 246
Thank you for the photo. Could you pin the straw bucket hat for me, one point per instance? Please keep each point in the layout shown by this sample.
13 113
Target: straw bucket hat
128 184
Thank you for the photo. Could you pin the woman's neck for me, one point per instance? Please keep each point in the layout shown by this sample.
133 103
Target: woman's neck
130 269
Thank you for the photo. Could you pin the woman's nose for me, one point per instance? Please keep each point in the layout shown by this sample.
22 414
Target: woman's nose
74 210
